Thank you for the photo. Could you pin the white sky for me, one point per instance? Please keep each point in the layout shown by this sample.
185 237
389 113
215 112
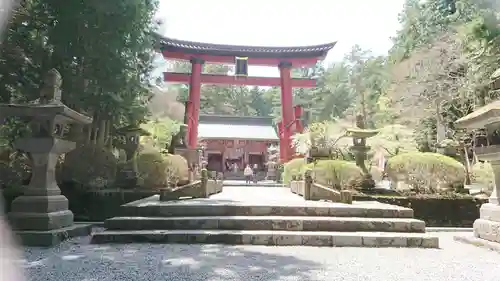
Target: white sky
369 23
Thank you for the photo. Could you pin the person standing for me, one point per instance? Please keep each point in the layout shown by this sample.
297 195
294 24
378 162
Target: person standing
255 171
248 172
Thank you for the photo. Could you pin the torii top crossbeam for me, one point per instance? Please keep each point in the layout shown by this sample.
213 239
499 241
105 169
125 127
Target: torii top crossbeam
263 56
282 57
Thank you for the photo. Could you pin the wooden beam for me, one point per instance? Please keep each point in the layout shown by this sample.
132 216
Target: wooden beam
185 78
296 62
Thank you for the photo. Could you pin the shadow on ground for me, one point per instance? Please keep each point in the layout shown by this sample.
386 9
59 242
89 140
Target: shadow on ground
78 260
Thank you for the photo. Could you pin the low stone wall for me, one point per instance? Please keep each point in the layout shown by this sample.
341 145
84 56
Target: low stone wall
298 187
319 192
214 186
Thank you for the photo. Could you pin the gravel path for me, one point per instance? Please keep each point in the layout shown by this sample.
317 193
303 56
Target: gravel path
77 260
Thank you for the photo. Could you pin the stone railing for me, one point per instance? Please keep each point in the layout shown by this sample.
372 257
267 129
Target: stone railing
314 191
202 188
298 187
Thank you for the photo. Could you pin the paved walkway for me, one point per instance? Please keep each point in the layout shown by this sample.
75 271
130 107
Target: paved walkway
257 194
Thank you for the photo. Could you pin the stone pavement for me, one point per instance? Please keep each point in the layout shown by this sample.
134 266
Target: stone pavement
80 261
256 193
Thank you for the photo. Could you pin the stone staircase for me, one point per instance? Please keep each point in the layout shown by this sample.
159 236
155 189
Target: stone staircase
280 223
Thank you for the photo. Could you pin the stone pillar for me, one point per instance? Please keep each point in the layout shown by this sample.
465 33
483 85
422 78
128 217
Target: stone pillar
488 225
496 188
42 207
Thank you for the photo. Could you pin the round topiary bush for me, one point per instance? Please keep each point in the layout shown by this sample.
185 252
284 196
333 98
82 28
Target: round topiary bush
154 170
180 165
293 169
338 174
425 170
482 173
157 170
90 166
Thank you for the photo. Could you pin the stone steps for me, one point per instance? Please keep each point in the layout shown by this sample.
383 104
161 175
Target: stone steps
285 223
199 208
270 238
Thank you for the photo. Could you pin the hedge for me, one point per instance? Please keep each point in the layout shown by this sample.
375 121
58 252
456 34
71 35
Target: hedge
425 169
338 174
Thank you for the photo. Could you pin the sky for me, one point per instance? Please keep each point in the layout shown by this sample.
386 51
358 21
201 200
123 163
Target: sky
284 23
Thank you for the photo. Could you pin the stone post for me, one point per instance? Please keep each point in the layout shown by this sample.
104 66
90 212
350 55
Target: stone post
308 181
204 182
41 216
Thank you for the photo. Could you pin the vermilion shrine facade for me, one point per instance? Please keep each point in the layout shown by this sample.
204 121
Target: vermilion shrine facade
229 140
285 58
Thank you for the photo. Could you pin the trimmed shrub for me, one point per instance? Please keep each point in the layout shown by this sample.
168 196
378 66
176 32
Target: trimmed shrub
181 167
89 165
14 168
338 174
482 173
157 170
293 169
425 170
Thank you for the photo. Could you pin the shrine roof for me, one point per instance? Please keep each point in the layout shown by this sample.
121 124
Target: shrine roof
236 127
191 47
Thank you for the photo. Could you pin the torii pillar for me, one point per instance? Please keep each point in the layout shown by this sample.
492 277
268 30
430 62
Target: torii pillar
287 111
193 106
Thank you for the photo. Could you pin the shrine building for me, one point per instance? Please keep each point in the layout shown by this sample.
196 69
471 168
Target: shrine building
229 140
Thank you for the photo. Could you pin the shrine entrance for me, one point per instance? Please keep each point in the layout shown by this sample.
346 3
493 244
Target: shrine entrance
285 58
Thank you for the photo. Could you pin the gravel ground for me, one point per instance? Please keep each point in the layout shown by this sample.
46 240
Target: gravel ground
77 260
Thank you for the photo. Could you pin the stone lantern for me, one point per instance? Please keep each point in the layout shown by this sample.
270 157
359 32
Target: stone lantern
360 150
41 216
359 147
128 175
487 227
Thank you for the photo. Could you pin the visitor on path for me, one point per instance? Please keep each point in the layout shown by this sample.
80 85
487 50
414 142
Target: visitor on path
255 170
248 172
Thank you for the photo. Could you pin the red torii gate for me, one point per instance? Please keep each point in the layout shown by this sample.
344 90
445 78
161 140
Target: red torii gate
283 57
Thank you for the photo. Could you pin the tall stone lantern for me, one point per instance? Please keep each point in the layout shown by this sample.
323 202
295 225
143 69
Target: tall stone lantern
41 216
128 175
487 227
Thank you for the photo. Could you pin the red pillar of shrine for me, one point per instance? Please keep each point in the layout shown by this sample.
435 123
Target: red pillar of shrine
280 135
298 112
193 108
286 109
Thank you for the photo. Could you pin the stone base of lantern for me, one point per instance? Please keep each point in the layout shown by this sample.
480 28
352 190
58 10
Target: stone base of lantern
44 220
486 228
52 237
127 178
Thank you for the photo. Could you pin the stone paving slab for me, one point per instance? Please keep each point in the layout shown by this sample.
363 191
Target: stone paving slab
289 223
483 243
270 238
52 237
196 207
